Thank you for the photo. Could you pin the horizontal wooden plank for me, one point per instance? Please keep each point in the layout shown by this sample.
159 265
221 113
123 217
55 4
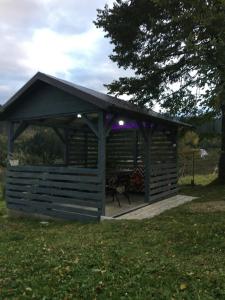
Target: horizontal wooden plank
127 156
120 145
161 143
162 182
162 172
73 209
163 195
55 191
163 152
166 176
59 184
164 165
163 159
60 177
161 189
55 170
56 214
53 206
55 199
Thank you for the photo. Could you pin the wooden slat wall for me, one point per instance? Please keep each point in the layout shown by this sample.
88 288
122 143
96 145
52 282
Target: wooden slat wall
121 150
125 150
163 165
62 192
83 149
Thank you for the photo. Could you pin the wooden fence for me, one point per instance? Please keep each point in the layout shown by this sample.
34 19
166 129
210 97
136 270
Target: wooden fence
61 192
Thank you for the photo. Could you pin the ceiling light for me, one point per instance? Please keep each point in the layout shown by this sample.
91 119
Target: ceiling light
121 122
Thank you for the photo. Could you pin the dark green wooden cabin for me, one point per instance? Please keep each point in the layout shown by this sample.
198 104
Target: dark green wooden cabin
95 145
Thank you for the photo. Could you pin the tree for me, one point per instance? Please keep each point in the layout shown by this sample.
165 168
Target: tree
39 146
176 50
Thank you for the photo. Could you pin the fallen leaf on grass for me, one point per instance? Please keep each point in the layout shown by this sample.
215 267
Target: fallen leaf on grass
183 286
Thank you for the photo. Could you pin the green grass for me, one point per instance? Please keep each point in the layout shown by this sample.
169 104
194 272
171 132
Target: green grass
198 179
177 255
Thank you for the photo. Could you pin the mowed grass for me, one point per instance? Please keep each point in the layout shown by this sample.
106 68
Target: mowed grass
177 255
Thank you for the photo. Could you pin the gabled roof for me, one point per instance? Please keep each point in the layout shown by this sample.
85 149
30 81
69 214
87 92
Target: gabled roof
102 101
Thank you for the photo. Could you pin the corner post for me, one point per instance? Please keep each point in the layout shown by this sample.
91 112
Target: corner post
66 147
102 154
147 135
147 164
10 140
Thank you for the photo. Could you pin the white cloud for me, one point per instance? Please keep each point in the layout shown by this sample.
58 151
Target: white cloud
56 37
53 52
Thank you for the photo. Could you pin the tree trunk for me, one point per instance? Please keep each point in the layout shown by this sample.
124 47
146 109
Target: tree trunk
221 173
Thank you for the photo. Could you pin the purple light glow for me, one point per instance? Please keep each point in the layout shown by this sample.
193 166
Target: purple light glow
127 125
130 125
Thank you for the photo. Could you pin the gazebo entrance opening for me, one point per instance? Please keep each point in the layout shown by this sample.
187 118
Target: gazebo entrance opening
125 168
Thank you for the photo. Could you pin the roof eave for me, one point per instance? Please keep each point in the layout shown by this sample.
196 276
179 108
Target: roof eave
142 116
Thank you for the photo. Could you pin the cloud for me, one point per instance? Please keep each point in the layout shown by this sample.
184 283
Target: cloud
54 52
56 37
73 16
17 17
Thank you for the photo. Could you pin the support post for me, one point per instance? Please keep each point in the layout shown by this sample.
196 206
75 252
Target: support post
136 138
66 147
85 149
146 133
102 155
147 165
10 140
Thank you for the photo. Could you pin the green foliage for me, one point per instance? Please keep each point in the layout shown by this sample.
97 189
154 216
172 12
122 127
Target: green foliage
189 141
39 146
35 146
175 48
188 148
177 255
203 180
210 142
3 150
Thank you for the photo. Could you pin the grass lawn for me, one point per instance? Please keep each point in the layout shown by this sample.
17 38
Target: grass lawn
177 255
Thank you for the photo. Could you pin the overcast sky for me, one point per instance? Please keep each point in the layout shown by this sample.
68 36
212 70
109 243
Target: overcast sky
56 37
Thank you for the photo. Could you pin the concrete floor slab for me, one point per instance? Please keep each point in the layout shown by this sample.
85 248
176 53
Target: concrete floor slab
155 209
112 208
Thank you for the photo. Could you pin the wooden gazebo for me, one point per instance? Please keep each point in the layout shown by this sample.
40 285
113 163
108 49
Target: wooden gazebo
100 134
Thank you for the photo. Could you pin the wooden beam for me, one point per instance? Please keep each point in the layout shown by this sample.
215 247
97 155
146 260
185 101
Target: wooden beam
90 124
109 127
19 130
59 134
102 155
59 126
